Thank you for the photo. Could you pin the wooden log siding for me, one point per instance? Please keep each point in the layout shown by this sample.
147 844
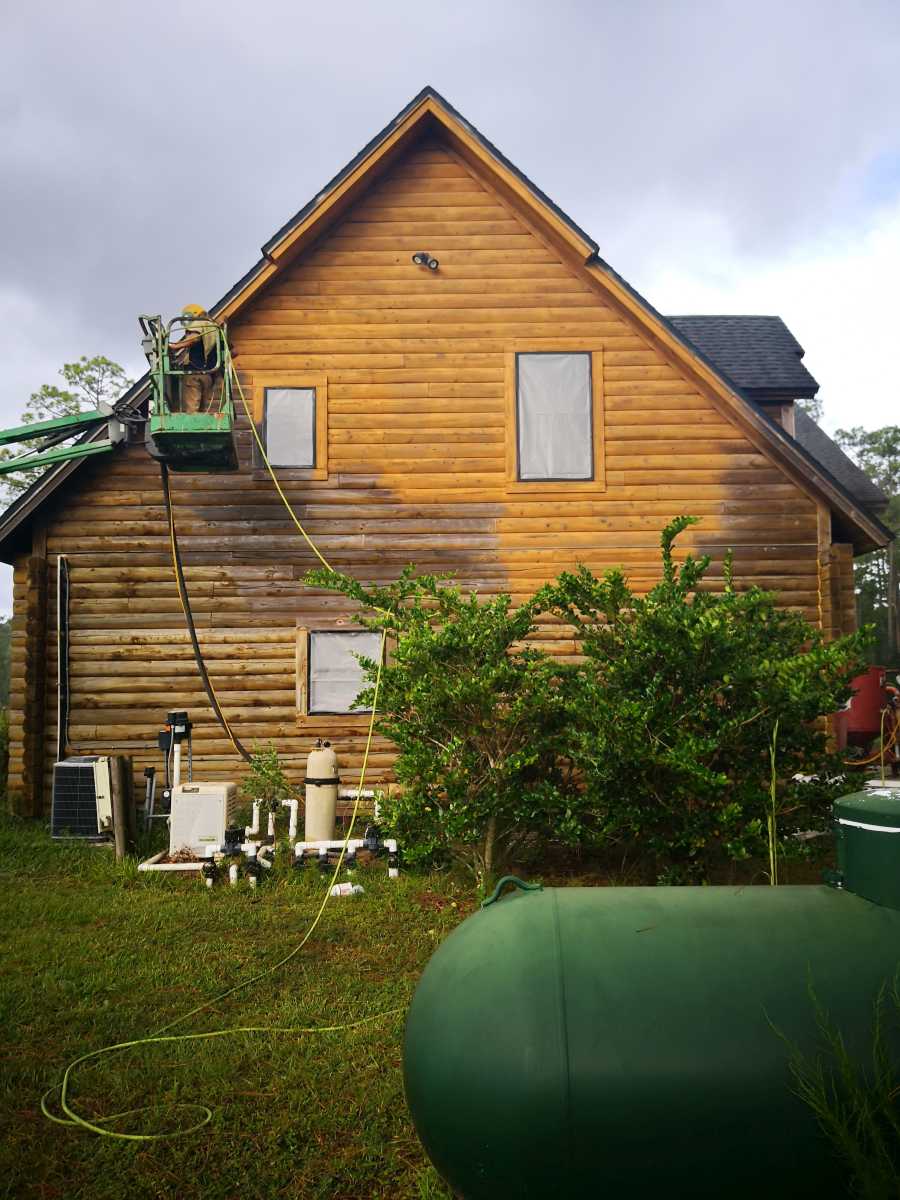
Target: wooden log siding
416 369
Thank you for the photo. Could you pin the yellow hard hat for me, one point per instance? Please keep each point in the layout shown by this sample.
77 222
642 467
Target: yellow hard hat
193 310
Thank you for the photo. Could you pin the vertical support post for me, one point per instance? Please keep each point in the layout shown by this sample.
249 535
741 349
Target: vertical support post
825 573
893 551
35 672
117 790
130 802
121 782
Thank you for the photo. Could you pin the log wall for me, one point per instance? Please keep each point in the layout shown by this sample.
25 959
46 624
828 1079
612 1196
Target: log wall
416 364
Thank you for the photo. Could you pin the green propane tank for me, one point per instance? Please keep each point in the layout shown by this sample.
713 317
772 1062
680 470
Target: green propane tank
633 1042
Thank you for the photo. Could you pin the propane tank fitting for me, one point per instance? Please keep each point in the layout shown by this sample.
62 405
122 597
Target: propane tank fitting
321 793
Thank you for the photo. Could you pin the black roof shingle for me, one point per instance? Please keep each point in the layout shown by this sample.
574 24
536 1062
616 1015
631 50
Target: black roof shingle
758 354
826 451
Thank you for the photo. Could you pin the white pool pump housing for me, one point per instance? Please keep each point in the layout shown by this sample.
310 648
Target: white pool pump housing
321 793
200 814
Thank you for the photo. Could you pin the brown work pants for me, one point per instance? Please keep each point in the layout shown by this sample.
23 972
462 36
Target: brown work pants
197 392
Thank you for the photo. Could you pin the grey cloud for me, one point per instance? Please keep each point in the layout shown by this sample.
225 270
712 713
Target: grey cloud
146 154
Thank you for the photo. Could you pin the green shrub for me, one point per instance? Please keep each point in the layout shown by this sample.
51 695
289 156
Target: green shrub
855 1105
479 723
266 781
672 712
4 751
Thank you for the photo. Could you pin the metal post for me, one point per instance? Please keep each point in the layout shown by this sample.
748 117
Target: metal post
176 762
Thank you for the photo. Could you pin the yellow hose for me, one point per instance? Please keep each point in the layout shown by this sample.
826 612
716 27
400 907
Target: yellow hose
72 1116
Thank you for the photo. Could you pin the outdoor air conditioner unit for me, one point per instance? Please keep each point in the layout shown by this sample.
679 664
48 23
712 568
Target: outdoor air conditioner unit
81 805
200 814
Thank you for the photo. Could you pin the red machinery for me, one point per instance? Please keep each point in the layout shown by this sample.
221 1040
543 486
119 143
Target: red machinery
873 713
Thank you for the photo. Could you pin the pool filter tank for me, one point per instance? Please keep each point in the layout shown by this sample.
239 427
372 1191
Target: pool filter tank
636 1042
321 784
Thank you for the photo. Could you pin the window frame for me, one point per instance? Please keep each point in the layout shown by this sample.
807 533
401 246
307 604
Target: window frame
514 481
361 717
319 386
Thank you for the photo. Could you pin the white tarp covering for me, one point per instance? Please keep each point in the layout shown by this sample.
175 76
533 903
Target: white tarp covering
290 424
335 676
554 415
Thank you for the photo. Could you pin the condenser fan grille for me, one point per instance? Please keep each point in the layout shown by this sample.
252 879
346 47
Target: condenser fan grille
74 809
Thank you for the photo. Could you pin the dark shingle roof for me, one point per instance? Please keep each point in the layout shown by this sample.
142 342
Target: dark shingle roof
817 443
763 358
758 354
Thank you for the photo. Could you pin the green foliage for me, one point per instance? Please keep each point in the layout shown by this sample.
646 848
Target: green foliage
479 721
87 382
813 407
4 751
672 711
661 738
856 1109
877 452
877 575
266 780
772 812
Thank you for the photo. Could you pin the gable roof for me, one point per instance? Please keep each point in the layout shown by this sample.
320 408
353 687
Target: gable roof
759 355
817 442
428 111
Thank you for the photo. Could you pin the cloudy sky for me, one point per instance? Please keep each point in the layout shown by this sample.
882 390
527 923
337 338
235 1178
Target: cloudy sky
727 157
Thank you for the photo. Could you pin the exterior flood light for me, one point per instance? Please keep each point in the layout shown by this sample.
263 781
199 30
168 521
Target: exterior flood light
423 259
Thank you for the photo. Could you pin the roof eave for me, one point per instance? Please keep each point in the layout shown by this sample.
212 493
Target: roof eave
767 395
792 453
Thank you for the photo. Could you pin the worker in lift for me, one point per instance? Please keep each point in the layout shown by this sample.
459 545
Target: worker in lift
197 353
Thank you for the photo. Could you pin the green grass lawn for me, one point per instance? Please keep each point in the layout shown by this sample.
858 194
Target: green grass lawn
99 954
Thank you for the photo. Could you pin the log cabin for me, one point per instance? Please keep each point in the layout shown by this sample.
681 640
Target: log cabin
515 410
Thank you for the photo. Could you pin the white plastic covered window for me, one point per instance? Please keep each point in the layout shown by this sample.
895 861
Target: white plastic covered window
289 426
553 412
335 675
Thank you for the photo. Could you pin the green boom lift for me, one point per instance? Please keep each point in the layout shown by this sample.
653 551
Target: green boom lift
196 441
52 434
189 440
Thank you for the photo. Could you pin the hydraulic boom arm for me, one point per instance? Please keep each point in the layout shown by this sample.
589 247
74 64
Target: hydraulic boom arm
58 430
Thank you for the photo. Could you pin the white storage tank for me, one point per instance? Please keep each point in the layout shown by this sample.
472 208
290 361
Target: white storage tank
321 793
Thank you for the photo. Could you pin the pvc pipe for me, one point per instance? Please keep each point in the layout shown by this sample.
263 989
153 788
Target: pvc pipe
354 844
390 844
253 827
176 764
349 793
154 864
294 806
262 860
233 874
271 829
